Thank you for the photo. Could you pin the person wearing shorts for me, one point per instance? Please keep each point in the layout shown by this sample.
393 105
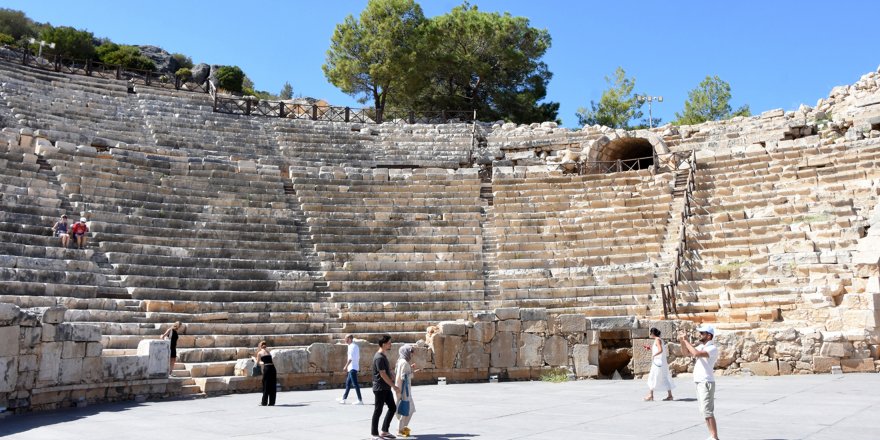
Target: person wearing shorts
706 354
61 230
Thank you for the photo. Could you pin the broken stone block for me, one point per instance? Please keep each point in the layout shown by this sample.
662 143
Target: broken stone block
530 350
571 324
453 328
581 355
482 332
504 350
556 351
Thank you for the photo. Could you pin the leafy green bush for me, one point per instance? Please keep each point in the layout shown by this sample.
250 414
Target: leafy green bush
184 73
183 61
69 42
6 39
17 25
129 57
230 78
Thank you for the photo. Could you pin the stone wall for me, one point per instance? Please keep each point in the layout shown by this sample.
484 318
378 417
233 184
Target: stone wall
46 363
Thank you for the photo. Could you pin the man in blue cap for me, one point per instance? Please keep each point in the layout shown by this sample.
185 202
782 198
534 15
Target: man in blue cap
706 354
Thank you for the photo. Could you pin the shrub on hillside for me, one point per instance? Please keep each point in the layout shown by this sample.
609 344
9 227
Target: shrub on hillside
183 61
184 74
6 39
230 78
69 42
129 57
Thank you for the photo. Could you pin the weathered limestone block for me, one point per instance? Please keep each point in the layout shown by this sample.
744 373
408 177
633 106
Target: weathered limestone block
729 344
158 356
446 350
534 326
92 370
453 328
244 367
506 313
8 313
8 373
641 360
504 350
612 323
556 351
769 368
327 357
72 350
823 364
583 367
571 324
9 340
422 356
71 370
530 350
53 315
857 365
482 332
294 360
511 325
474 355
836 349
47 333
533 314
50 362
94 349
126 367
77 332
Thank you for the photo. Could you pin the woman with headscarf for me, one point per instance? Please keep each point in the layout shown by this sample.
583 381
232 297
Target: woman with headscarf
403 380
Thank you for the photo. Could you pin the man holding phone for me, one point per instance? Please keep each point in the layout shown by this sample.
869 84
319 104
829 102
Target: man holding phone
706 354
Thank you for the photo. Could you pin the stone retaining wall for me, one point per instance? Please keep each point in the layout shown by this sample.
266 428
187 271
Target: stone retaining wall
46 363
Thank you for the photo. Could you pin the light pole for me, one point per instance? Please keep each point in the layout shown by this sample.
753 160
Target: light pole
42 43
649 99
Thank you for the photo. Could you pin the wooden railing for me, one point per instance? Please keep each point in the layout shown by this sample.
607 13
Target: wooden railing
669 292
252 106
98 69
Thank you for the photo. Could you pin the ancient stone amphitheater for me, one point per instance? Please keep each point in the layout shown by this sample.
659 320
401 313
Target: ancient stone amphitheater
528 247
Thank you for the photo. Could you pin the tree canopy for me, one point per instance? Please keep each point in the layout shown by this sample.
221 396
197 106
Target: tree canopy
710 101
376 56
70 42
129 57
230 78
463 60
286 91
16 24
617 106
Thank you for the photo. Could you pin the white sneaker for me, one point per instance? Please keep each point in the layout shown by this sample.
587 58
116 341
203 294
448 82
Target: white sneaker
359 402
341 400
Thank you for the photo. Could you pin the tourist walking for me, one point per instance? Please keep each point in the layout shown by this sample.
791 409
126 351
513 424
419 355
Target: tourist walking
351 368
270 377
659 379
705 354
60 229
382 386
403 379
171 334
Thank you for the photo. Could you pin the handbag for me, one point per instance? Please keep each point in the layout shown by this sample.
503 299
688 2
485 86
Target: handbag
403 407
657 361
256 371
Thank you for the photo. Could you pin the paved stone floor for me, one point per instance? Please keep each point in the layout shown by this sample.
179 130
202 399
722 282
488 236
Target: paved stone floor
790 407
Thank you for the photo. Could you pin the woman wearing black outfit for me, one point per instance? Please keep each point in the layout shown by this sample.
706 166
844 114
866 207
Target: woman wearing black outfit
171 333
269 375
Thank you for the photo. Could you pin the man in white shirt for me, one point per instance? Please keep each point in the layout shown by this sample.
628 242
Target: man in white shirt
705 354
351 366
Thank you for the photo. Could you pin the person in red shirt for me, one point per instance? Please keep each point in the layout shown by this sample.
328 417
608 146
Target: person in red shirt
79 231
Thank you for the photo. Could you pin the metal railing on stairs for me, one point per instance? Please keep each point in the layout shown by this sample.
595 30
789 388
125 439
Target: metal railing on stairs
669 292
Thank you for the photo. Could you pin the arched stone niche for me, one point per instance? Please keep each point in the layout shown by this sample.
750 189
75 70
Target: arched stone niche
628 147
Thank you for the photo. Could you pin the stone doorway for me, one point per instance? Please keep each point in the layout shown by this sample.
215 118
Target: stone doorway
634 153
615 353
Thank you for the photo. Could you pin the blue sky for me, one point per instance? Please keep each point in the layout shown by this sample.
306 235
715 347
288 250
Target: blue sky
773 53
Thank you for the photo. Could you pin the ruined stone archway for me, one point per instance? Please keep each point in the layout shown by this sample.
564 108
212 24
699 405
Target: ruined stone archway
635 150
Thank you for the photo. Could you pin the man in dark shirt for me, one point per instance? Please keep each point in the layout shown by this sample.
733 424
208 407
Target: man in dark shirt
382 386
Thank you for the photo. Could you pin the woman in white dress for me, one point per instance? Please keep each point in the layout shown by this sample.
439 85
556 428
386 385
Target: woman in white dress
403 380
659 379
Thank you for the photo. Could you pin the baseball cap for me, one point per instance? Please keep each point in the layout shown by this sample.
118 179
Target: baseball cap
82 219
706 329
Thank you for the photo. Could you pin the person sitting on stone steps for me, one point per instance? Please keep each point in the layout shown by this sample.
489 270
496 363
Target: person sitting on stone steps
79 231
61 230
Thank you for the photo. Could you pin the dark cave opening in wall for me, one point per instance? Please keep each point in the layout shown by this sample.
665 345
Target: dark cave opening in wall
633 153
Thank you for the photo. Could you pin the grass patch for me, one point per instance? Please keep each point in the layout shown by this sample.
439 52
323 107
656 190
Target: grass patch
814 218
555 375
731 265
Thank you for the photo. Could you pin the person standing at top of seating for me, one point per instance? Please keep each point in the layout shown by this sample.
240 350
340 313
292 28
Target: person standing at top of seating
704 377
61 230
383 383
79 231
351 368
171 334
270 376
